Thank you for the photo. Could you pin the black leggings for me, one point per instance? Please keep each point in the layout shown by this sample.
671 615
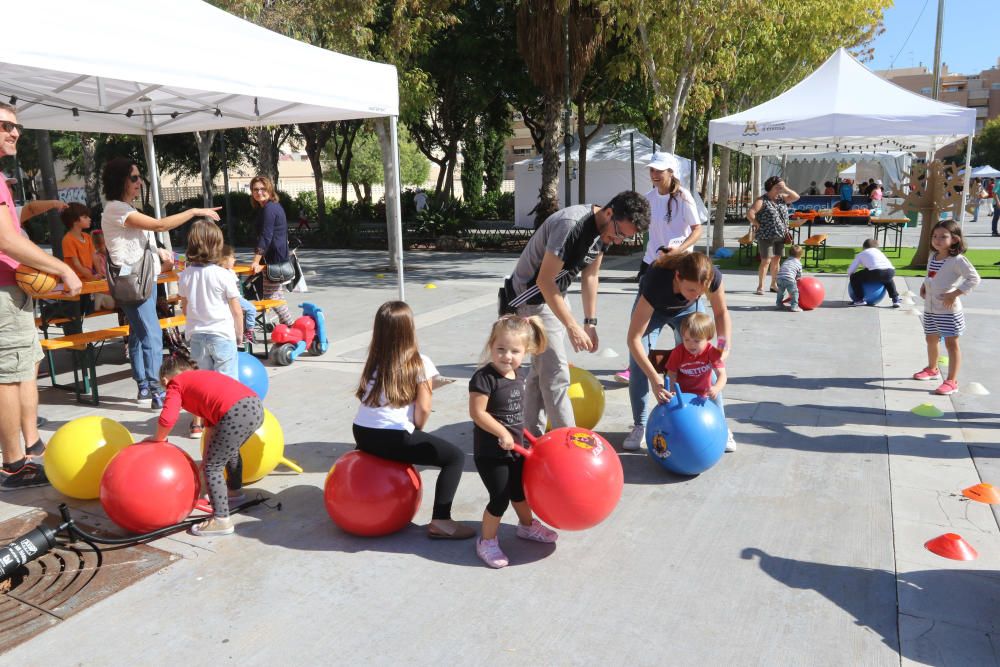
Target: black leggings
502 478
883 276
420 448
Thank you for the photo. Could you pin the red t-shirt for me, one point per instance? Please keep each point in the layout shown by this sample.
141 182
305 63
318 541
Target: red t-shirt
207 394
8 265
694 372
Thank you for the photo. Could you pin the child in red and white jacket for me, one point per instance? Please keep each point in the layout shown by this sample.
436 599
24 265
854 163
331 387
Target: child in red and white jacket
692 364
232 412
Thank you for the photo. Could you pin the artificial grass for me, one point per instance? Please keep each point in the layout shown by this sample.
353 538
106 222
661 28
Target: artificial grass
838 259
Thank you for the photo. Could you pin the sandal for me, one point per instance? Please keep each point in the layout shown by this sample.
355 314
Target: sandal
759 291
458 532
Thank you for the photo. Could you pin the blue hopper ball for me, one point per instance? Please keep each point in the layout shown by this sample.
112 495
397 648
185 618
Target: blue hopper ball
687 435
874 292
252 373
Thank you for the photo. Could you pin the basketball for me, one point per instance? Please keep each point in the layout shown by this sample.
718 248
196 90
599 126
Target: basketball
33 281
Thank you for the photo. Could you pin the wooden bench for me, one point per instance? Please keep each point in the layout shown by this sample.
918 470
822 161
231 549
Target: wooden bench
43 323
814 247
747 249
262 306
83 346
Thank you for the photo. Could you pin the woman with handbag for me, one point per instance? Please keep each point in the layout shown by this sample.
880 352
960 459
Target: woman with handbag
769 222
134 261
272 243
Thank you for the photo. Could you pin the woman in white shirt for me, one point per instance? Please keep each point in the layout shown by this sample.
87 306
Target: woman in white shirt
126 233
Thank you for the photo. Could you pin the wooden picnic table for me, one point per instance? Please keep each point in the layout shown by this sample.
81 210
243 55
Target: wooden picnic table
101 286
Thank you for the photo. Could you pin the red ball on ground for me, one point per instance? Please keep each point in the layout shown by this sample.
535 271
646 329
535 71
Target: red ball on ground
148 486
573 478
370 496
811 293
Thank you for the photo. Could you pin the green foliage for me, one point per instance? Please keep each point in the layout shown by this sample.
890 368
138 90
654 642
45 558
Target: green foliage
986 145
366 161
472 166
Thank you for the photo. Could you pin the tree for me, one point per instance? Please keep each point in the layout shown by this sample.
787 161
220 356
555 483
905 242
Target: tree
366 167
473 164
543 46
986 146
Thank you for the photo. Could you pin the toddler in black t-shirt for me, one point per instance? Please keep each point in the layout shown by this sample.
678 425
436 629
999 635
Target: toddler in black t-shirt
495 405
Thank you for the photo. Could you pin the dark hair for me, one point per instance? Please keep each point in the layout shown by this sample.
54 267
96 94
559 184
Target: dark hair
204 242
958 245
173 365
630 206
114 176
870 243
828 184
73 212
771 182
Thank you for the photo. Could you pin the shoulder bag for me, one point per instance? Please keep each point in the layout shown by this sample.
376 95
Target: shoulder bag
132 284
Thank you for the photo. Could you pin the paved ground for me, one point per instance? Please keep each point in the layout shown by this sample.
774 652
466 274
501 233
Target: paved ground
805 547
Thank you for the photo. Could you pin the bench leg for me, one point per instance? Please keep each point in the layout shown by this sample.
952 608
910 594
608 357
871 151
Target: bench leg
85 376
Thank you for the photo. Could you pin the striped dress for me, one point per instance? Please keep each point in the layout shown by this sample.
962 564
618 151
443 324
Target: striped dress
942 324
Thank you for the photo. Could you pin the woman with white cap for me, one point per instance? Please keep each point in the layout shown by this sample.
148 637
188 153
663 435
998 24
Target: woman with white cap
674 226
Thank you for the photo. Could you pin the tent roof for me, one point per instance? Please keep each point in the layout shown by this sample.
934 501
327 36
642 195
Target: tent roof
185 56
985 171
843 106
611 143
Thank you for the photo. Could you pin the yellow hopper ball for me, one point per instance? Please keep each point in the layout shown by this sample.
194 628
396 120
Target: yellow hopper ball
263 451
586 394
80 450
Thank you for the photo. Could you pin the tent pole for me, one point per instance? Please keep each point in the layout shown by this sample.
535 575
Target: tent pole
397 209
709 183
965 180
154 180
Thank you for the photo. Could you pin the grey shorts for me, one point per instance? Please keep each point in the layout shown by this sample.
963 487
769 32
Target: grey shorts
19 347
769 249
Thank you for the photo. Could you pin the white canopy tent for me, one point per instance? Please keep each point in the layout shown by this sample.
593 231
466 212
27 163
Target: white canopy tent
800 169
985 171
89 67
610 156
844 107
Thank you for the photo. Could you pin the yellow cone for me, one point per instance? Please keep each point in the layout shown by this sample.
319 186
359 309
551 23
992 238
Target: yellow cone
943 360
927 410
430 286
380 275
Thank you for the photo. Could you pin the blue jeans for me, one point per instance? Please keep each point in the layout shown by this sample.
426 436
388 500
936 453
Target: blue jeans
792 287
213 352
638 385
145 343
249 314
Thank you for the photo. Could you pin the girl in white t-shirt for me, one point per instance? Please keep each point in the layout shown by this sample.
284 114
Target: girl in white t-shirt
395 395
211 305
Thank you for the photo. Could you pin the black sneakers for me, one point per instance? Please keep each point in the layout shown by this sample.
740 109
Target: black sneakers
30 474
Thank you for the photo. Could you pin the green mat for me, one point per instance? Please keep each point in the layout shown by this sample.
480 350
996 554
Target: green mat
838 259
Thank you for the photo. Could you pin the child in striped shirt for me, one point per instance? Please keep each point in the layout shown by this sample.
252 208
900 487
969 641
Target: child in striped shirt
949 276
788 276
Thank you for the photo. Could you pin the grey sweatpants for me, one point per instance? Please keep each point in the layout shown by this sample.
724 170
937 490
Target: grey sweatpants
235 428
547 386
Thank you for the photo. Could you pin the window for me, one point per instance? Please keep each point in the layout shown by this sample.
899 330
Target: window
995 86
925 91
523 150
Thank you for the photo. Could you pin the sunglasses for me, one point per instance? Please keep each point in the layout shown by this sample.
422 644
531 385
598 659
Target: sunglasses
134 177
260 189
10 126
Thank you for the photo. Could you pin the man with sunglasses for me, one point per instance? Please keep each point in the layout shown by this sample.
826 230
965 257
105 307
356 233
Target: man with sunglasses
570 242
20 351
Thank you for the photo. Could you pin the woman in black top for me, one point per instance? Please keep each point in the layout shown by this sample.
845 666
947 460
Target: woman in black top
670 291
272 239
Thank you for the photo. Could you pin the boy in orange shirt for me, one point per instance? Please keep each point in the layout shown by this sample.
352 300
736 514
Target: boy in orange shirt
77 246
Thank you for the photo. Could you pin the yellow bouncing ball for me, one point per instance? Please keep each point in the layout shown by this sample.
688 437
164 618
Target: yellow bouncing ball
80 450
263 451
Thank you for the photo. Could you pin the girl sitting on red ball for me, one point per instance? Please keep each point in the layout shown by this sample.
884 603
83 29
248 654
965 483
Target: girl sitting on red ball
231 411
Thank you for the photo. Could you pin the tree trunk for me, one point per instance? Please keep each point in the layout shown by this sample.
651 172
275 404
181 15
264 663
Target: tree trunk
88 149
317 168
719 224
317 135
205 141
581 154
267 161
548 193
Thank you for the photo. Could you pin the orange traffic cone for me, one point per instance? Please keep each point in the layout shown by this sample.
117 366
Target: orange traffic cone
984 493
951 545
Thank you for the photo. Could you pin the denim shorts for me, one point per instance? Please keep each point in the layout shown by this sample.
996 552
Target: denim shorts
214 353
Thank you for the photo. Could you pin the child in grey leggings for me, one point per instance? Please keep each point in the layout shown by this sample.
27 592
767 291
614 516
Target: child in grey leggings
232 412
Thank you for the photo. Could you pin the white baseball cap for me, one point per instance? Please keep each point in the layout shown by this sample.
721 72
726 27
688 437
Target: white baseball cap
663 161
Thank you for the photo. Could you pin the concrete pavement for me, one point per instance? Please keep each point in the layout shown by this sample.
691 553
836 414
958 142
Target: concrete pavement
803 547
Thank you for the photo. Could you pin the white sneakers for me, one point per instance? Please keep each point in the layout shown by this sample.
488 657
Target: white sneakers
730 443
634 439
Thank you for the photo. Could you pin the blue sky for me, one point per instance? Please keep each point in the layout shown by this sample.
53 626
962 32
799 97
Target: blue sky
969 40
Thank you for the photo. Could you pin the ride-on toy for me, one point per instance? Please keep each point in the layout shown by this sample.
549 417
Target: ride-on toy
308 332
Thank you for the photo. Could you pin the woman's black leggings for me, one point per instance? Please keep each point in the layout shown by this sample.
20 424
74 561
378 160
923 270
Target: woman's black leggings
502 478
420 448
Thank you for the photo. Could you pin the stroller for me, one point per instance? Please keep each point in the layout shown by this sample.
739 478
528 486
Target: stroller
253 290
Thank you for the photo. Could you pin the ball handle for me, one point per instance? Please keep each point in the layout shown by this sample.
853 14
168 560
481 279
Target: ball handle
677 394
524 451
